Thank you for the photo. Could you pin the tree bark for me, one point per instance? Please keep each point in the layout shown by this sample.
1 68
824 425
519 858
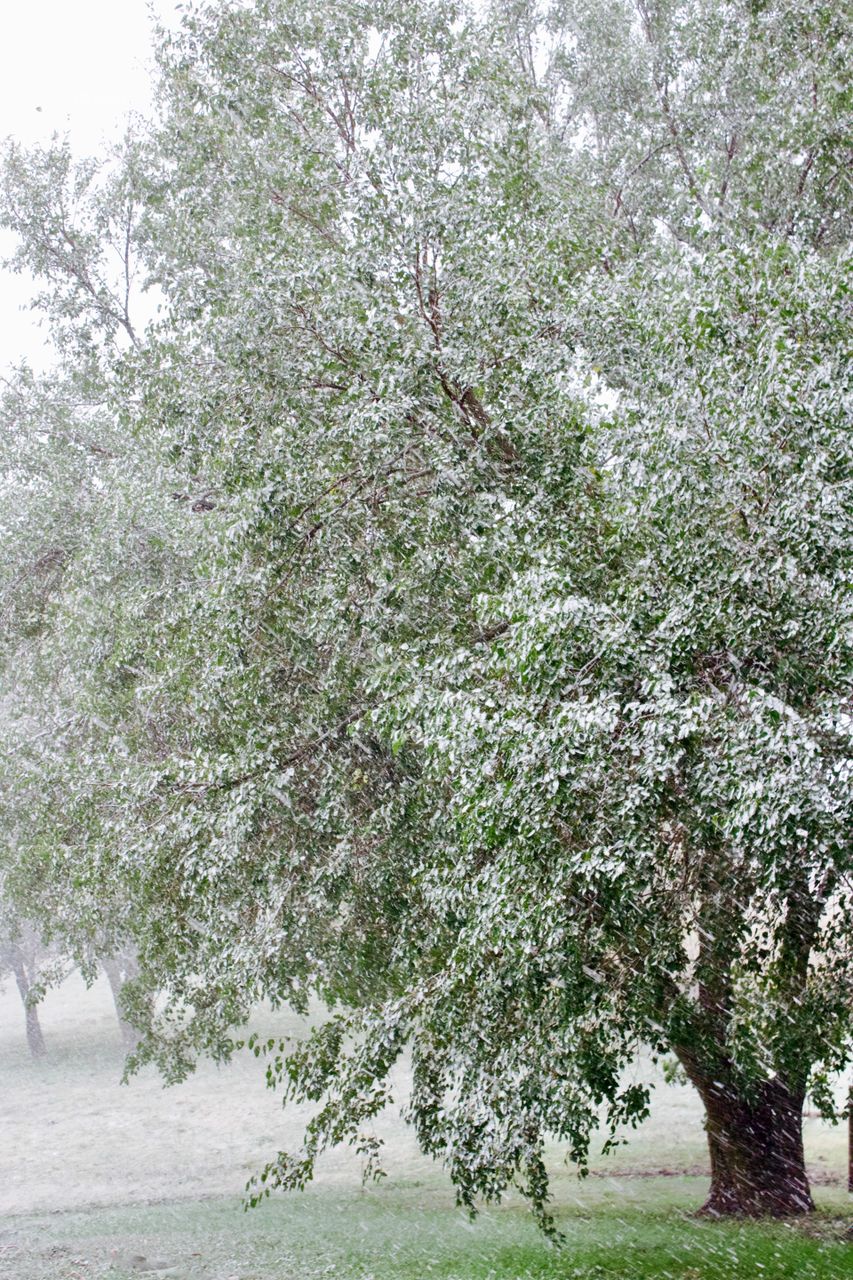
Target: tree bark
755 1134
118 970
35 1038
756 1148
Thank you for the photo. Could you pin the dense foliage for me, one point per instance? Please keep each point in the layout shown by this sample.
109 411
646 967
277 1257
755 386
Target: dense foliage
442 606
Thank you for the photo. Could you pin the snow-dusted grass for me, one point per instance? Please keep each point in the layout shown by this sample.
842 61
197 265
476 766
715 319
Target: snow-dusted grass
410 1232
96 1177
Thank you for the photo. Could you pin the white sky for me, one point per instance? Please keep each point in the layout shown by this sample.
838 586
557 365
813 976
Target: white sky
75 66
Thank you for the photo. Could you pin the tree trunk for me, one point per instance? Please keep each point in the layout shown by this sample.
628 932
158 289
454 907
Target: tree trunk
118 971
35 1039
756 1147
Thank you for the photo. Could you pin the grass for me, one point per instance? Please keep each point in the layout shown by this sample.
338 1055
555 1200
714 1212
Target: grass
415 1233
104 1182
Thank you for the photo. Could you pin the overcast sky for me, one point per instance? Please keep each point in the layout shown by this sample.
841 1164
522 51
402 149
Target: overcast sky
75 66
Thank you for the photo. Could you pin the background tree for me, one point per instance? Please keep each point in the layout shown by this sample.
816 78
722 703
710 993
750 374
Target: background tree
121 967
491 676
21 955
82 537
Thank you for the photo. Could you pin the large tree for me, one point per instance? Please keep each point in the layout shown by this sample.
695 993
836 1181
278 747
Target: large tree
477 650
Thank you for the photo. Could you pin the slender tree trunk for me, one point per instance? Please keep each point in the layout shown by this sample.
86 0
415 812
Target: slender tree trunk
756 1148
118 970
35 1039
849 1232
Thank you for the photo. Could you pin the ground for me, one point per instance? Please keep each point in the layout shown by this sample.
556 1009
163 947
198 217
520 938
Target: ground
100 1180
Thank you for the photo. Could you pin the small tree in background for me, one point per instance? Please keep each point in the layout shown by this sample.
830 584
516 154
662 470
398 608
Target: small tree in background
120 968
21 954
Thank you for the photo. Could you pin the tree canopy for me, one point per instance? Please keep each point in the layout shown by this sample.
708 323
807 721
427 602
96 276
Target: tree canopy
442 606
